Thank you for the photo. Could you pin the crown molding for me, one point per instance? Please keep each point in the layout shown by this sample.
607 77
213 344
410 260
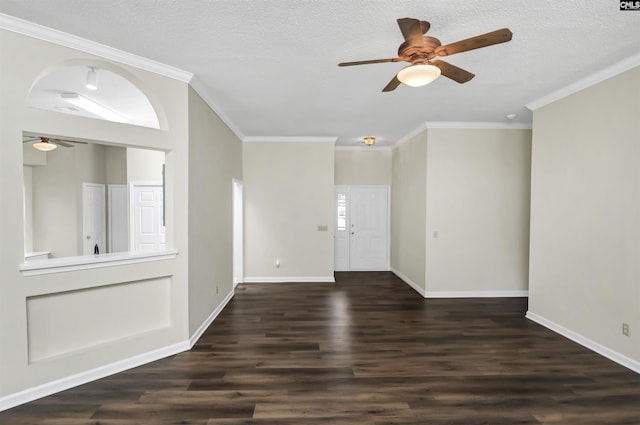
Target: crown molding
471 125
603 74
364 148
289 139
20 26
419 129
479 125
197 85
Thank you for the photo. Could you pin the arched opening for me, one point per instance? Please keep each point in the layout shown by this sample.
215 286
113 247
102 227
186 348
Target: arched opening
94 90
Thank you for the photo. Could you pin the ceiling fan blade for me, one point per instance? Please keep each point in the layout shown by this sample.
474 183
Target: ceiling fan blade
393 84
67 143
32 139
369 61
495 37
411 30
424 25
451 71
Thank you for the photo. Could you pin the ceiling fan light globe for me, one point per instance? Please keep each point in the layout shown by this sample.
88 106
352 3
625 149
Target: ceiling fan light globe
418 75
44 146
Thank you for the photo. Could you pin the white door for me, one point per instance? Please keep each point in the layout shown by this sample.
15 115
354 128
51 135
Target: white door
238 220
148 230
362 236
93 218
118 217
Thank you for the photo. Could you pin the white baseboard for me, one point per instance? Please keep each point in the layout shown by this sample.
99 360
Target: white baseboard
49 388
459 294
586 342
198 333
476 294
291 279
409 282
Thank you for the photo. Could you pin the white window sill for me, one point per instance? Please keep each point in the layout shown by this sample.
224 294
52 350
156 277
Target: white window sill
85 262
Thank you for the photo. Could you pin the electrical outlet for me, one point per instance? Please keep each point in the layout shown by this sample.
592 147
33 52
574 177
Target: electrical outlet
625 329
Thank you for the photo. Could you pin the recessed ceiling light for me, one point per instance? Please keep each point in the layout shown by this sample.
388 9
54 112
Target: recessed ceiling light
511 116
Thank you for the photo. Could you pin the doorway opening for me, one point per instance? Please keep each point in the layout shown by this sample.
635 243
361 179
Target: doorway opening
238 237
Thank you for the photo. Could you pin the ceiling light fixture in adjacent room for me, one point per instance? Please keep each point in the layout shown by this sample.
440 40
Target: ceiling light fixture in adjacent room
44 145
369 141
418 74
92 79
93 107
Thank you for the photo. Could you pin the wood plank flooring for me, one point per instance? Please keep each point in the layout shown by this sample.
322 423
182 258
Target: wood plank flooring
366 350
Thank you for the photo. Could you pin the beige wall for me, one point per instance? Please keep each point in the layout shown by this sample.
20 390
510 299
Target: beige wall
116 165
460 212
408 210
144 165
24 314
363 167
585 209
55 209
215 158
478 187
288 191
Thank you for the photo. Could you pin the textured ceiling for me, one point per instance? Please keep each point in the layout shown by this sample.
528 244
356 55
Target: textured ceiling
271 65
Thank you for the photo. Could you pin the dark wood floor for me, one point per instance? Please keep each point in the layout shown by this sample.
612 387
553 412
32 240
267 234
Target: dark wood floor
366 350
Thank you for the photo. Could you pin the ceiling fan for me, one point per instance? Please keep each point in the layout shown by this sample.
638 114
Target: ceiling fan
46 144
419 50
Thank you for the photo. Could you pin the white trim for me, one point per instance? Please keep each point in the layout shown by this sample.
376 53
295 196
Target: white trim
205 325
601 75
488 125
289 139
409 282
419 129
364 148
476 294
50 35
53 387
471 125
586 342
291 279
197 85
85 262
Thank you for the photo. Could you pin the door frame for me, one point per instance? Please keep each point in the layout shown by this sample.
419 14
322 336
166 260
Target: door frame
238 231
